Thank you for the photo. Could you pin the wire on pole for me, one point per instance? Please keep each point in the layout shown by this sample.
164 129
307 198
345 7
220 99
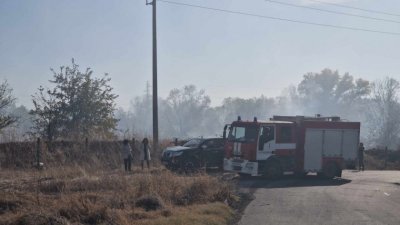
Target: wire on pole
280 18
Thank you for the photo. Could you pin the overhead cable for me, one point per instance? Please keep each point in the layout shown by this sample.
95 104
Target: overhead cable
279 18
331 11
355 8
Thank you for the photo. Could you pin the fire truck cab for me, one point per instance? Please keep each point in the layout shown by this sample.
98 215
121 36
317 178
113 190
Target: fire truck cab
291 145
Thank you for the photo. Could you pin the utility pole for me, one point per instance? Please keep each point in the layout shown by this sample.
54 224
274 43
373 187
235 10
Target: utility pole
155 95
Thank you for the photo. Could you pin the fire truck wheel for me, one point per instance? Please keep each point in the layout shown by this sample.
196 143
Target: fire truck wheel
339 173
300 174
330 171
273 170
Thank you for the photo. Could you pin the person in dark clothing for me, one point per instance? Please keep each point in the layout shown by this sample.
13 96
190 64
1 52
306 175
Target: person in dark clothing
127 154
361 157
145 153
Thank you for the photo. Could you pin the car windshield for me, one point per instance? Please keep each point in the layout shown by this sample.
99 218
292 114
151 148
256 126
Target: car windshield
243 134
192 143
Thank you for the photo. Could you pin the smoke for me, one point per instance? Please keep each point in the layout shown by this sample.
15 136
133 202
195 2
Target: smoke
186 112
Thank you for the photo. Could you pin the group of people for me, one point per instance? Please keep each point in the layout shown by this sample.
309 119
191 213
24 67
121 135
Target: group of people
127 154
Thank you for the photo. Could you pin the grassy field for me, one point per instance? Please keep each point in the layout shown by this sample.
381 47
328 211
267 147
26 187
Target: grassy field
74 195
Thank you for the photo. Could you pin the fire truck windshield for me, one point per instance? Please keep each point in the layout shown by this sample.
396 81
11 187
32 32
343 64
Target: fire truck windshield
242 134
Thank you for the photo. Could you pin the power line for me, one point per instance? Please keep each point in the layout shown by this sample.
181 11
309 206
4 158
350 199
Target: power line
331 11
278 18
356 8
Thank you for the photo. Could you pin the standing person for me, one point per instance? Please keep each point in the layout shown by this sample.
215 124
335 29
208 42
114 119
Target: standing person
361 157
127 154
145 152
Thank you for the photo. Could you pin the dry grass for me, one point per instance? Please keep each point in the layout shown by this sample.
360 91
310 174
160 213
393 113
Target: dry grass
75 195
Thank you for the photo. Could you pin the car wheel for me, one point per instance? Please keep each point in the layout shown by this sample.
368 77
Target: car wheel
190 166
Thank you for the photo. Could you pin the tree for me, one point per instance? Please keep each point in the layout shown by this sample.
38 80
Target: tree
124 127
19 130
142 109
79 105
383 114
261 108
185 110
329 93
6 100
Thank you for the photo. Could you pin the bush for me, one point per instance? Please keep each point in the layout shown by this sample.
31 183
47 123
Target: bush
149 202
7 205
52 186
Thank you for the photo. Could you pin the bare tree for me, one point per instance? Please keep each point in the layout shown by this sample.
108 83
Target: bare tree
260 107
383 114
6 100
185 110
19 130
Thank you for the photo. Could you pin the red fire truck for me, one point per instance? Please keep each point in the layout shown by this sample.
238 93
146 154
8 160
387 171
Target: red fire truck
291 145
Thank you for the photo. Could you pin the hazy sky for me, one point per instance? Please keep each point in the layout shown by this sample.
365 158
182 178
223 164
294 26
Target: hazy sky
225 54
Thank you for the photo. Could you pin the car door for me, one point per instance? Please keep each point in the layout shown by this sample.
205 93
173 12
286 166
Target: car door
212 151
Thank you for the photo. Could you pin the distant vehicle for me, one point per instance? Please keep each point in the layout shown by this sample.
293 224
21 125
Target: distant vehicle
291 145
195 154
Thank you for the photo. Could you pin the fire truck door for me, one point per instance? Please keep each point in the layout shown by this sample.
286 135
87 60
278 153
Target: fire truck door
313 149
266 142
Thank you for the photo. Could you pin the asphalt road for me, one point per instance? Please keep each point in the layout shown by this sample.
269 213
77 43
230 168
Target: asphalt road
370 197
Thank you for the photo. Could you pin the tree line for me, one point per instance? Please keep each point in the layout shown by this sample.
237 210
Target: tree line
76 105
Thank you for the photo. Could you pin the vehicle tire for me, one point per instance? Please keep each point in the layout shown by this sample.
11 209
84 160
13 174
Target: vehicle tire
244 175
300 174
191 166
339 173
273 170
330 171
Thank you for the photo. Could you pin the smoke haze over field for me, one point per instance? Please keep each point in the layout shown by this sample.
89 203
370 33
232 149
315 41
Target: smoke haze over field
187 112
